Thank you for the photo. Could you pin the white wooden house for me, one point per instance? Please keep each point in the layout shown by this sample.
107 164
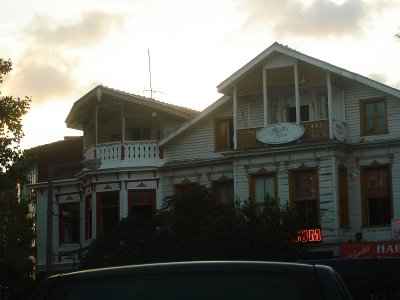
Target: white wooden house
316 136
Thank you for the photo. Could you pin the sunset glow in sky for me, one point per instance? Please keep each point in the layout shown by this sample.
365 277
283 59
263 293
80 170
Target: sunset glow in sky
62 49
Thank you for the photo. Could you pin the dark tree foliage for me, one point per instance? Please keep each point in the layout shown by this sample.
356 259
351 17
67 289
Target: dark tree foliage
195 227
16 238
11 112
16 226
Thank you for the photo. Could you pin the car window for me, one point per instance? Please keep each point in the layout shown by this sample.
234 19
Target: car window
209 286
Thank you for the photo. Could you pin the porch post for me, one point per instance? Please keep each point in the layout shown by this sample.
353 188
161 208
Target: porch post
297 93
330 117
122 124
234 94
96 125
265 95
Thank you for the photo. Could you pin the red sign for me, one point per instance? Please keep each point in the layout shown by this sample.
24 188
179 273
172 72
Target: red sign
376 249
309 236
396 229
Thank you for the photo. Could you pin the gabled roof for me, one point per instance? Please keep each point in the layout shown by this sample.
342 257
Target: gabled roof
100 91
225 86
195 120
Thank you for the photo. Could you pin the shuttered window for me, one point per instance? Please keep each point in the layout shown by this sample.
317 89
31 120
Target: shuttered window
223 134
373 117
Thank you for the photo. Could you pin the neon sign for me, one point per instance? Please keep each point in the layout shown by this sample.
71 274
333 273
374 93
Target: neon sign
309 236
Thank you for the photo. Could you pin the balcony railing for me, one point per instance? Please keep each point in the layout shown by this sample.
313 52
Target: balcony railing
134 154
314 131
247 138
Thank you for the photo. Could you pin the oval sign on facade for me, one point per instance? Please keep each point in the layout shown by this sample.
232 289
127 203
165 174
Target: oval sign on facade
280 133
339 130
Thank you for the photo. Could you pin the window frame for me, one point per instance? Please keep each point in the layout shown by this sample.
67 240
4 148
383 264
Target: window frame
364 193
185 187
149 201
100 206
363 117
88 217
218 141
323 106
293 196
75 220
223 183
252 187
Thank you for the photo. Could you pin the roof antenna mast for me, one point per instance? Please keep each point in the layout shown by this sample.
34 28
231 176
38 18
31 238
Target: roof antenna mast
151 88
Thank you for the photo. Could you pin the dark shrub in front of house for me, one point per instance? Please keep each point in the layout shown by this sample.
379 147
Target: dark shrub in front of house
194 226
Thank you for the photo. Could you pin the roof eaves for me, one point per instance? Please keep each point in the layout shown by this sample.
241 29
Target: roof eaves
194 120
175 109
171 108
308 59
247 67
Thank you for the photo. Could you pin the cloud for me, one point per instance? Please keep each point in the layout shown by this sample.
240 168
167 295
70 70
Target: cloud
47 67
379 77
92 27
318 18
41 81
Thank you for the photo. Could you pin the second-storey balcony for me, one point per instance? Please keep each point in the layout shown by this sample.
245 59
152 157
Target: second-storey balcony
314 131
127 154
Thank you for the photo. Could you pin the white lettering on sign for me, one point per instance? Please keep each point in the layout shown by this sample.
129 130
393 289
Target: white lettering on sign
280 133
385 249
358 253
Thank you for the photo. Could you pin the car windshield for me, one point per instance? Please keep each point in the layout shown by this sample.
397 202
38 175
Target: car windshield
208 286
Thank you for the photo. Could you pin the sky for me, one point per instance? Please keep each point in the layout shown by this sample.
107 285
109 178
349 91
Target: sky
60 49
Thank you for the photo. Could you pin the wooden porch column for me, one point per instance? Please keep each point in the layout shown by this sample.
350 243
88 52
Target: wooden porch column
265 95
330 117
122 124
96 125
234 100
296 92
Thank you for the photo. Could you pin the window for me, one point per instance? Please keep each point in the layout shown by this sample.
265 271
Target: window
88 217
304 196
343 198
323 106
223 134
185 188
376 195
142 203
262 186
107 210
373 117
140 133
304 113
223 191
69 221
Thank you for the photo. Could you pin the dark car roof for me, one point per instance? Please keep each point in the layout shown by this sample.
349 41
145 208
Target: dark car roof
188 267
362 267
202 280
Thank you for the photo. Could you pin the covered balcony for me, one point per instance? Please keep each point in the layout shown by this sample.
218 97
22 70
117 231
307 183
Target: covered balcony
123 129
281 89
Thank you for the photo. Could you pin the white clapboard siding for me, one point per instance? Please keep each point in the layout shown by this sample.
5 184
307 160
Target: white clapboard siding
327 200
41 225
203 175
250 112
198 141
338 104
356 92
